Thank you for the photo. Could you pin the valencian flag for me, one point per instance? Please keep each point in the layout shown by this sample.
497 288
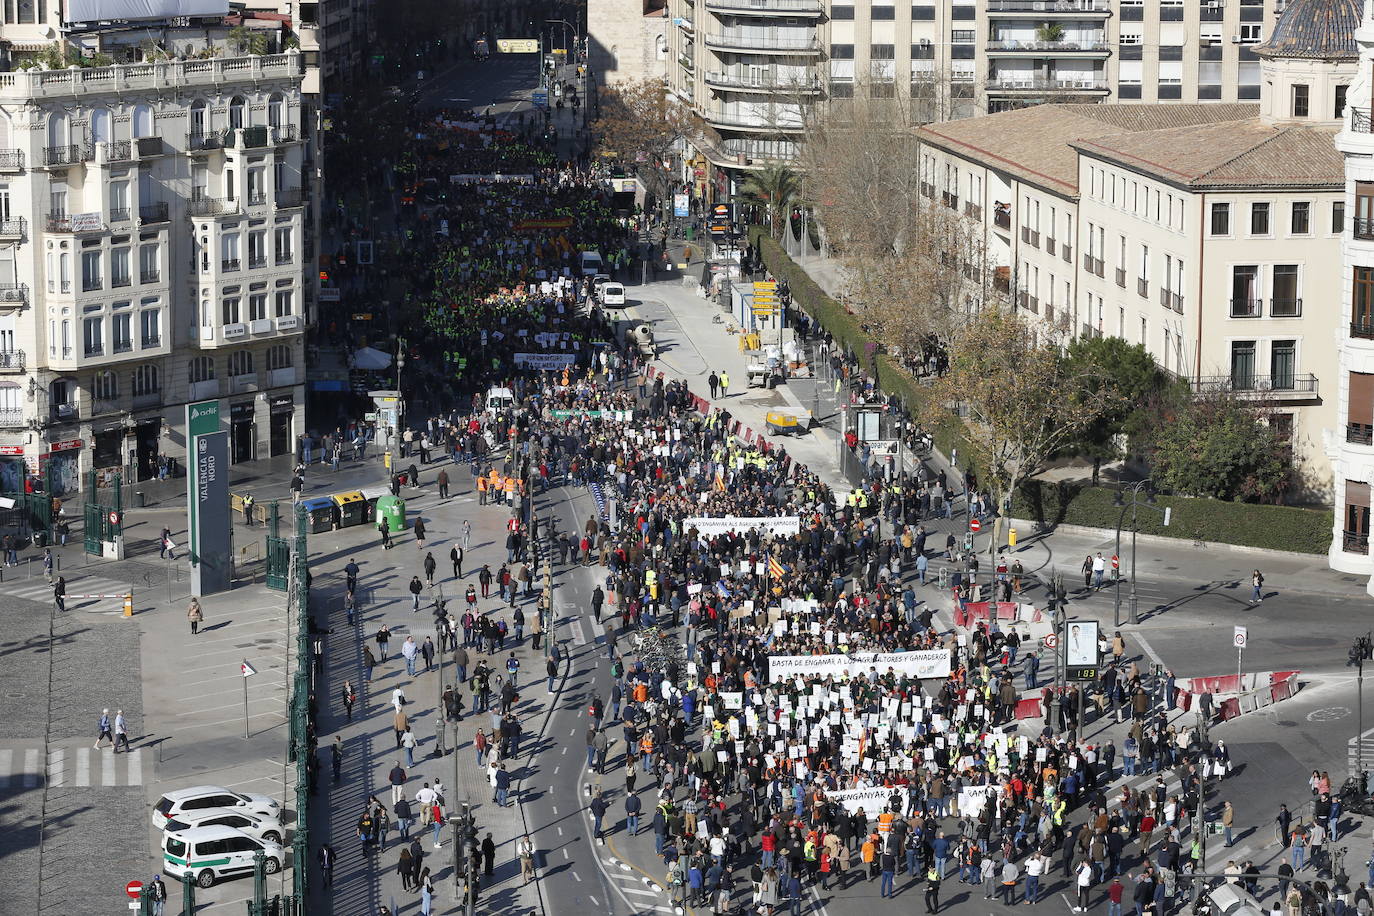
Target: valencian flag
776 569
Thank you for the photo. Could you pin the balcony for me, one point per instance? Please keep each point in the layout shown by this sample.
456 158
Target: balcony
1294 386
1067 251
153 213
1166 298
102 406
207 141
255 263
1142 287
285 133
255 137
283 257
116 151
770 83
62 413
1060 8
13 228
149 276
257 199
1359 433
1030 236
119 280
11 360
12 416
927 189
120 214
14 294
1121 277
211 206
63 156
151 341
290 197
78 222
1001 218
157 75
1360 121
1363 229
767 7
950 199
123 344
1040 84
1246 308
747 41
229 264
1095 47
973 211
11 160
1355 542
1089 332
1285 307
733 119
289 323
1094 266
1175 302
239 383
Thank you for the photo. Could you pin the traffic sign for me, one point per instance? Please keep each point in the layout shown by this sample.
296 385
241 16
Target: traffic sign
975 525
1051 640
248 670
114 517
134 889
1240 638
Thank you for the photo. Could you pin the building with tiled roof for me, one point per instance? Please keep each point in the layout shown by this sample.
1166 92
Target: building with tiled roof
1207 233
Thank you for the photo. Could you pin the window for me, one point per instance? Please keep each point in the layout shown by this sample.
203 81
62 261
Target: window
1259 219
961 36
122 327
1251 33
1339 111
229 251
119 200
1245 295
1362 306
257 185
1243 364
93 336
119 267
148 271
1302 218
1338 217
240 363
105 386
231 310
1300 100
1284 285
1283 362
1221 219
150 324
90 271
201 369
1356 534
257 307
282 245
238 110
146 380
257 248
283 303
279 357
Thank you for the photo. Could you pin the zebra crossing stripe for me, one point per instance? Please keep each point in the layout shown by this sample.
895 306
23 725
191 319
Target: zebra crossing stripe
107 767
83 766
6 762
56 760
32 774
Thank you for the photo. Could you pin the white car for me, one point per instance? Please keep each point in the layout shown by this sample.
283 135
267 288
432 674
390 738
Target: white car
206 854
259 827
613 294
198 798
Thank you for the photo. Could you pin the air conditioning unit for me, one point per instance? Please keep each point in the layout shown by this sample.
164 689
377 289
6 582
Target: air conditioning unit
925 42
1236 40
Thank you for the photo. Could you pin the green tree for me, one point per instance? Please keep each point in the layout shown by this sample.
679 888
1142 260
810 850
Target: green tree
1128 376
1213 444
773 187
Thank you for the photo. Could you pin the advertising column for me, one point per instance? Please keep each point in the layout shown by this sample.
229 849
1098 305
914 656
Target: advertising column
207 500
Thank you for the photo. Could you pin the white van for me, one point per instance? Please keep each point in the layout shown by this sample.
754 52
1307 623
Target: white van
198 798
591 264
206 854
499 399
613 294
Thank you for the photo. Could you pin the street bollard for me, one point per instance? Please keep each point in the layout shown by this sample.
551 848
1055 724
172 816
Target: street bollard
129 605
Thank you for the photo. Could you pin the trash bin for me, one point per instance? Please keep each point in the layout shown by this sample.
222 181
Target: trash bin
370 496
319 512
352 508
40 539
139 499
392 511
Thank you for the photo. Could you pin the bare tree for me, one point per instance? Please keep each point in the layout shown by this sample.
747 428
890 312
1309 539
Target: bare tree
639 124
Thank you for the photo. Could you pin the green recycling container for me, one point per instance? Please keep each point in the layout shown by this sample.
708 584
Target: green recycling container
391 510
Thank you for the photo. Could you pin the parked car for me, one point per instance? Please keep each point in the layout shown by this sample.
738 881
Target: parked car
207 854
613 294
198 798
261 827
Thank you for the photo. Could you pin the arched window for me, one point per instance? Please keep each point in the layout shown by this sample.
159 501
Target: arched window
105 386
143 121
200 119
279 357
57 128
276 111
238 112
146 380
240 363
201 369
101 125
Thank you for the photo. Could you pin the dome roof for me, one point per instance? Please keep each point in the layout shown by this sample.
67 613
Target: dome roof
1319 29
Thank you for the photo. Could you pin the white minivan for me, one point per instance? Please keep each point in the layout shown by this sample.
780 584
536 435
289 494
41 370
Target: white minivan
255 825
499 399
613 294
206 854
591 264
198 798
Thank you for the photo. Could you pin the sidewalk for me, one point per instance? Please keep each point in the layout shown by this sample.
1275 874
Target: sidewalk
364 882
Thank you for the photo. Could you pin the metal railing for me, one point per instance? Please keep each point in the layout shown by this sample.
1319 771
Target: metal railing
285 133
1142 286
257 199
1121 277
1048 6
257 262
210 206
117 280
1090 332
290 197
1363 327
59 222
229 264
1040 84
1001 219
1298 383
62 155
950 199
769 84
149 276
13 228
1285 307
998 44
1247 308
1359 433
117 150
767 6
1360 120
12 416
11 159
1363 228
204 141
119 214
731 39
973 211
11 360
153 213
14 292
1355 541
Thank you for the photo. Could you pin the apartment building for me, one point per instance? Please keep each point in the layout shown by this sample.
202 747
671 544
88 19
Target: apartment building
1350 439
151 254
1205 232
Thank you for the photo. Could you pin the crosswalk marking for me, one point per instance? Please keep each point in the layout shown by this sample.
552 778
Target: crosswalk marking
83 766
55 774
6 763
32 774
39 590
639 890
136 768
107 767
68 766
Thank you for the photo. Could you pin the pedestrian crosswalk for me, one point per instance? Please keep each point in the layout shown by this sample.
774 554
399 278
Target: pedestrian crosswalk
39 590
26 768
639 891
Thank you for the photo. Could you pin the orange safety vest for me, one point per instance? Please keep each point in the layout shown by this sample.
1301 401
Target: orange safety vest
885 823
646 744
641 692
481 485
511 483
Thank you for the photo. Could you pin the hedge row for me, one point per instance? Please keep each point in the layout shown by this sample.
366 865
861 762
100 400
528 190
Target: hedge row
1291 528
1248 524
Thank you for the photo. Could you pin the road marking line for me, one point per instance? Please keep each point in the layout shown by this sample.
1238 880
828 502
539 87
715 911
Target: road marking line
55 763
83 766
635 890
555 771
1149 650
578 877
136 768
6 762
560 831
32 773
565 855
594 901
107 767
579 638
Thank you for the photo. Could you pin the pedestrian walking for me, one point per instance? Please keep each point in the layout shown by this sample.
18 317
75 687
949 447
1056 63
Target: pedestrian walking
420 533
336 756
59 594
1257 587
525 849
713 382
455 556
383 640
430 566
443 484
349 696
47 564
157 894
195 615
325 857
121 731
416 589
106 729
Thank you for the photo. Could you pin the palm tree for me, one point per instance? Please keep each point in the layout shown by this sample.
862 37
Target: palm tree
773 186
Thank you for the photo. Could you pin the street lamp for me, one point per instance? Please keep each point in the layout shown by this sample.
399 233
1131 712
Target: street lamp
1134 503
1361 649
